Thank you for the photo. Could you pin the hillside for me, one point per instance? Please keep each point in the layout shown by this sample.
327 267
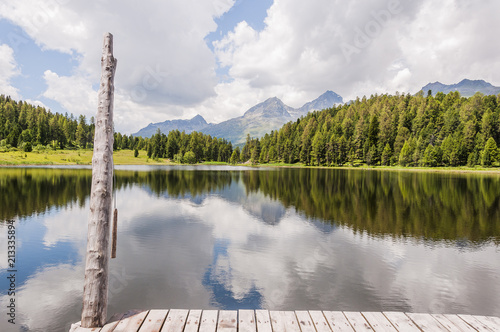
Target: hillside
404 130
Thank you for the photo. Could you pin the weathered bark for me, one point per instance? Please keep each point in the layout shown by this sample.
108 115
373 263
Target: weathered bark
95 291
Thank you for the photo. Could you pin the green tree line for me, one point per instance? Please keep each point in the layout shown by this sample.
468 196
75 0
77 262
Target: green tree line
27 127
188 148
405 130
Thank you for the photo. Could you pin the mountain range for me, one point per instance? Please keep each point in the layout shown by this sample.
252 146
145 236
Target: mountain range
272 114
195 124
467 88
256 121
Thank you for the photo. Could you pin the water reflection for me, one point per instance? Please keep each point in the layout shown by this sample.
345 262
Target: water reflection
278 239
26 191
429 205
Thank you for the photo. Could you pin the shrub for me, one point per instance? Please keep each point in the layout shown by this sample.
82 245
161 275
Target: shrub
189 158
27 147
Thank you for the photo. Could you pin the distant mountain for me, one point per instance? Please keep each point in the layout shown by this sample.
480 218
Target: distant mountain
326 100
467 88
256 121
267 116
271 108
195 124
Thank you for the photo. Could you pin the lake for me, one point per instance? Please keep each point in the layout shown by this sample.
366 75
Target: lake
239 237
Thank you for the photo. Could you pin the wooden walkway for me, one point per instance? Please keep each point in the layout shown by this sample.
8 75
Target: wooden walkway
175 320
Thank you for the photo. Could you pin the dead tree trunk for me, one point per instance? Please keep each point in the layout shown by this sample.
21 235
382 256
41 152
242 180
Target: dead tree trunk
95 291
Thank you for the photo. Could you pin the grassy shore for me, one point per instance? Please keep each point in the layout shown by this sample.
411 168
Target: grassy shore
74 157
126 157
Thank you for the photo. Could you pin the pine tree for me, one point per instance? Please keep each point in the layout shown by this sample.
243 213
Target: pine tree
235 156
405 156
489 154
386 155
81 136
429 159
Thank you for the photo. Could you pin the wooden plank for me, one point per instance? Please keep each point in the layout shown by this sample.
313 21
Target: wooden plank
209 321
113 321
400 321
284 321
319 321
494 319
246 321
338 321
175 321
289 321
228 321
472 321
305 322
154 321
378 321
426 322
110 324
453 322
358 322
132 323
77 328
109 327
263 321
193 321
460 323
445 322
488 322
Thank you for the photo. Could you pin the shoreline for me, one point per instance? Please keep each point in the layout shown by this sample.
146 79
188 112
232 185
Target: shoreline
460 169
456 170
125 157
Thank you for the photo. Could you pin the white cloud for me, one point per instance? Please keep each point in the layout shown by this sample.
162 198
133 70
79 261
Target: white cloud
457 45
163 59
166 70
309 47
36 103
8 70
74 93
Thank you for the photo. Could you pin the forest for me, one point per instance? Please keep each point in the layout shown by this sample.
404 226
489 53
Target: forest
32 128
388 130
404 130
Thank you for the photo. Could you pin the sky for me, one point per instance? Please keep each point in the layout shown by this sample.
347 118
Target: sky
218 58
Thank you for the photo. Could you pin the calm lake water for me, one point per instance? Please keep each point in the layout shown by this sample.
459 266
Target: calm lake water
234 238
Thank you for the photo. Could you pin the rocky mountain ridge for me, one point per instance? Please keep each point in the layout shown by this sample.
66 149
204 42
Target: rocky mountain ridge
256 121
466 87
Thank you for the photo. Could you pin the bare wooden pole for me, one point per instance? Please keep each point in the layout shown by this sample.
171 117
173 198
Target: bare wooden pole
95 291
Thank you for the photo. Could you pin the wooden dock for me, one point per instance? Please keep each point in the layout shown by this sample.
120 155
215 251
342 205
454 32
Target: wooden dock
176 320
